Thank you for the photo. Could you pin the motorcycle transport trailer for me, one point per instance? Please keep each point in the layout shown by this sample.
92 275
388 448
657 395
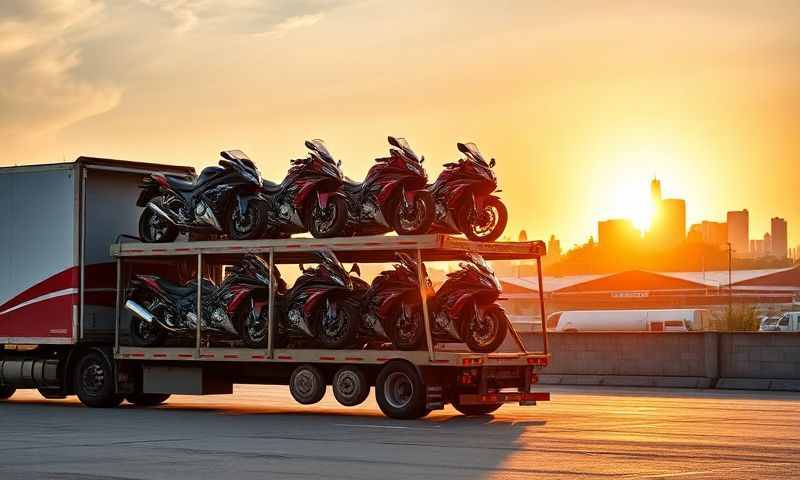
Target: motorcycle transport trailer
408 384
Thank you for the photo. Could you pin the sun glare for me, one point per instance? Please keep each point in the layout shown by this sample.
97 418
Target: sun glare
631 200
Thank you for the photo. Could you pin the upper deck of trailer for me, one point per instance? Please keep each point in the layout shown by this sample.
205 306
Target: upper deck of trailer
378 248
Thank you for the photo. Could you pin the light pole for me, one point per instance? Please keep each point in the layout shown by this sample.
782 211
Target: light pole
730 279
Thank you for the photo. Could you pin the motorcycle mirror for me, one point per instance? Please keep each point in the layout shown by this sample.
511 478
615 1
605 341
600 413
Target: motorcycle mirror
355 269
339 163
492 163
422 160
302 268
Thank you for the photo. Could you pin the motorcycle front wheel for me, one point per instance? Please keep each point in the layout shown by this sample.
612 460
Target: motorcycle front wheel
255 330
408 332
486 225
153 228
338 326
417 218
248 225
486 334
327 222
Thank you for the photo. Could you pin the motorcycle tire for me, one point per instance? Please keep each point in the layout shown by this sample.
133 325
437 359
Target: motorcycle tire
423 219
252 338
150 223
467 221
143 334
336 211
250 228
487 341
347 332
412 337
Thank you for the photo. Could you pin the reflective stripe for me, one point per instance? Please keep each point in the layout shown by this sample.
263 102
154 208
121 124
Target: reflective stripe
42 298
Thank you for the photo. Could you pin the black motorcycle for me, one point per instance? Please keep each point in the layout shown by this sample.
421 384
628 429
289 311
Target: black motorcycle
220 201
391 197
464 200
307 199
323 305
162 308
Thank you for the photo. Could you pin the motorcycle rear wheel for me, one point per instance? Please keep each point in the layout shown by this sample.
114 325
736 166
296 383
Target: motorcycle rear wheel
328 222
417 219
144 334
153 228
485 226
487 334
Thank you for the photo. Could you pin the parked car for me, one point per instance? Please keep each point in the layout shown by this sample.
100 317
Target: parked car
788 322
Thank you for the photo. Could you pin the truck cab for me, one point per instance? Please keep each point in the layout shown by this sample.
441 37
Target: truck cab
788 322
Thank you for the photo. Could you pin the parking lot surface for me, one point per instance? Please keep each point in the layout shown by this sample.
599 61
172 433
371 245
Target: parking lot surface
260 433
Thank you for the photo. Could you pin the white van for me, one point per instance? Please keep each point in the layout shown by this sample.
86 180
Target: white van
673 320
788 322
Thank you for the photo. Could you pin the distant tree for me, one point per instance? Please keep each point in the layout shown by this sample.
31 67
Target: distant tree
740 318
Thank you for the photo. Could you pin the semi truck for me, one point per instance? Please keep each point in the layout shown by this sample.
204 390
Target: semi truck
67 257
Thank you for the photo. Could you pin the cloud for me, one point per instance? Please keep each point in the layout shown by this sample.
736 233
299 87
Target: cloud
289 24
39 55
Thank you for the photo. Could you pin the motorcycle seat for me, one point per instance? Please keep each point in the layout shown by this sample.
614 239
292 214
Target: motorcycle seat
180 183
208 173
351 185
183 290
270 187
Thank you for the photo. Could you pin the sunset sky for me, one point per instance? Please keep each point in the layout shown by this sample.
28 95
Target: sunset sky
581 103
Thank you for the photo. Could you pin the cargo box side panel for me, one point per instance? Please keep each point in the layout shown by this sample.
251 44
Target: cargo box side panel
39 275
110 211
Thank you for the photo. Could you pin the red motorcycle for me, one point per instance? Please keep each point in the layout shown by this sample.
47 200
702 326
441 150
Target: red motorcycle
391 197
463 197
307 199
463 309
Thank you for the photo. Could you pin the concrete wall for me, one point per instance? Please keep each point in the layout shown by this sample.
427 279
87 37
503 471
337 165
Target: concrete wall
692 359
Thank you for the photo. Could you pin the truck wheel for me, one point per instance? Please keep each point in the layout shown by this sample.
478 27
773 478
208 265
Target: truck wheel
400 391
307 385
6 392
475 410
94 382
147 399
350 386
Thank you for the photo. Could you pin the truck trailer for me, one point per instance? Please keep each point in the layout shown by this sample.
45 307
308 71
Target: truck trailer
68 256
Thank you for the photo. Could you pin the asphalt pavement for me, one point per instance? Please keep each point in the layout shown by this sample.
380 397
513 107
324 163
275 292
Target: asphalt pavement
260 433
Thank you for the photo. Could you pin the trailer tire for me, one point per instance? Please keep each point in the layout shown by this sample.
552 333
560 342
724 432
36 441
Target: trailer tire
6 391
307 385
94 382
475 410
147 399
350 386
400 391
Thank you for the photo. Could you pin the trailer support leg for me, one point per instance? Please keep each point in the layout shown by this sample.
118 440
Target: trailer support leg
271 307
117 305
425 315
199 301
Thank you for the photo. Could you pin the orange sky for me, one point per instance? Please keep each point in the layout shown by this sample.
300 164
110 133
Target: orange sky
580 102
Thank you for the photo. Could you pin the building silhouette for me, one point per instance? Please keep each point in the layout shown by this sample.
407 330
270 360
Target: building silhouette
554 248
617 234
711 233
780 242
739 232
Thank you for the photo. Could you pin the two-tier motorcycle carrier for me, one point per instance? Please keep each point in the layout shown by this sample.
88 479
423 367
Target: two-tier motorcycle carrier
449 374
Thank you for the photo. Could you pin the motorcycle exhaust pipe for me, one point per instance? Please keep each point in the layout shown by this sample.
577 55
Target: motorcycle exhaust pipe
161 212
140 311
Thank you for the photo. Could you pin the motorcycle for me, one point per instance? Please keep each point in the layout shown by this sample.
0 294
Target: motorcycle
462 310
160 307
391 197
219 201
463 198
323 305
307 199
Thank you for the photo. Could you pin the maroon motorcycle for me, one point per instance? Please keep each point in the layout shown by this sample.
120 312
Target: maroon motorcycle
307 199
391 197
463 309
463 197
323 305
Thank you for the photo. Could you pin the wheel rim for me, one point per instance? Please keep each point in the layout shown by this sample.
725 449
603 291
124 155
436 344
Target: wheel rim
483 330
348 384
324 218
334 322
243 224
157 227
398 390
305 383
256 327
407 327
417 212
484 222
93 379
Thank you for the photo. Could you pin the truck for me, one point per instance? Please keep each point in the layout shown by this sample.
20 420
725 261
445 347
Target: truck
67 259
664 320
788 322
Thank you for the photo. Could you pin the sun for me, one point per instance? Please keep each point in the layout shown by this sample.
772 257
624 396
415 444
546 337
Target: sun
631 200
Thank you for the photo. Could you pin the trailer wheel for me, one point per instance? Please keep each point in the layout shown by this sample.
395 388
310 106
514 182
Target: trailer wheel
94 382
350 386
307 385
147 399
6 391
475 410
400 391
